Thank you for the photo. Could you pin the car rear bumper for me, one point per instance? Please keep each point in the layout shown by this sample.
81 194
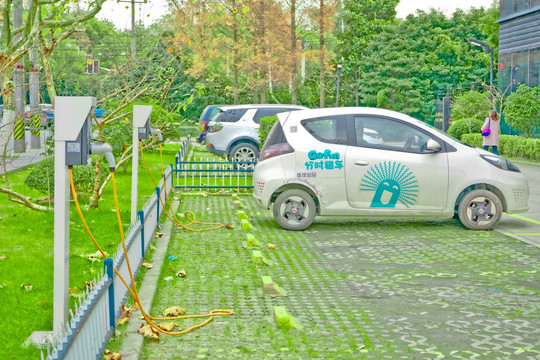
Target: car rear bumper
213 150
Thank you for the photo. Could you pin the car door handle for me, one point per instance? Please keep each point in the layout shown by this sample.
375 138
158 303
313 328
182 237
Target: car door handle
361 162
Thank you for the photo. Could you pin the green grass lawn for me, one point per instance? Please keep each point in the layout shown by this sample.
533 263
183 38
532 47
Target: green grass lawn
26 251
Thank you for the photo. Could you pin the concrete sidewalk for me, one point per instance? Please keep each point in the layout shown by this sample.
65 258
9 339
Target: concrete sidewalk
19 162
525 226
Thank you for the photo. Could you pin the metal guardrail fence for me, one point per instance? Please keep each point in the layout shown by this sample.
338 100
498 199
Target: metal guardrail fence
92 323
210 174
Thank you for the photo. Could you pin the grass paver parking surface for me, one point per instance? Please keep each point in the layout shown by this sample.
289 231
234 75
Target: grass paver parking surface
357 288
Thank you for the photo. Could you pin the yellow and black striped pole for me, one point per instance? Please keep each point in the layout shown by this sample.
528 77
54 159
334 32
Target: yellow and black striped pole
35 124
19 143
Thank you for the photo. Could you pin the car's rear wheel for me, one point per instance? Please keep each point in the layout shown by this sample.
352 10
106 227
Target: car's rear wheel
244 152
294 209
480 210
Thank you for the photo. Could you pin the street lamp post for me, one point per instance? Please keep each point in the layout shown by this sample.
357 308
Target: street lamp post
339 66
487 50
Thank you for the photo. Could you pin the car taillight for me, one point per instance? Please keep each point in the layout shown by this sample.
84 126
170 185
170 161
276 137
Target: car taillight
276 150
215 128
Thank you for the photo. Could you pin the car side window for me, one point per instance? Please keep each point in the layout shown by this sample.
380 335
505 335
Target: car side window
331 130
389 134
265 112
232 115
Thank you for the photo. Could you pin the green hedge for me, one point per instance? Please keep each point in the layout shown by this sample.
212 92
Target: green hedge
510 145
266 125
461 127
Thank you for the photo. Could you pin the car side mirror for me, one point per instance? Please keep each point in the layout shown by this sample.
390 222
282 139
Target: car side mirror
433 146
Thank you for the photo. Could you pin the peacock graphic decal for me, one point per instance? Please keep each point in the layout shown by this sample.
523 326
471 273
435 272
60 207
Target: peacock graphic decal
392 182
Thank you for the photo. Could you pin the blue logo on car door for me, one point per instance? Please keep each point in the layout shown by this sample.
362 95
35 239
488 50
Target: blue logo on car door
392 182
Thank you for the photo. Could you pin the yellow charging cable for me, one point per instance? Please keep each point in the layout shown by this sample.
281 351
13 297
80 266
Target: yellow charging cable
149 319
188 215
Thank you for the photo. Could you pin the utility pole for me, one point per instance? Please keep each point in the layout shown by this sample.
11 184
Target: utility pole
19 143
33 80
133 45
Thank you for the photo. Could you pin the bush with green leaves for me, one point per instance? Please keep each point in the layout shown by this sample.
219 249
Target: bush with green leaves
472 104
465 126
522 110
41 177
266 125
510 145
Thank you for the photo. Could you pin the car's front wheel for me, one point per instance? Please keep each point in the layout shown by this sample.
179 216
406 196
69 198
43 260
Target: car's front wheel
244 152
294 209
480 210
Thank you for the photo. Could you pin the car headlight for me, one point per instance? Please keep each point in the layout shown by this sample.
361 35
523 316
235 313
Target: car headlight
500 162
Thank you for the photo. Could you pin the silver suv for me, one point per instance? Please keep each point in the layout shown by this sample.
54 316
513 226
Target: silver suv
234 132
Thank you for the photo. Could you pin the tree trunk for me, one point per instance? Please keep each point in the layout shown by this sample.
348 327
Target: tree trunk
294 65
357 86
49 80
236 59
322 101
265 80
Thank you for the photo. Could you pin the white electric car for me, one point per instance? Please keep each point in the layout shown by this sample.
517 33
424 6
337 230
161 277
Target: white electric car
234 131
318 162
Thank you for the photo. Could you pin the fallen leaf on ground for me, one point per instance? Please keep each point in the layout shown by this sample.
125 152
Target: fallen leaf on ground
73 290
27 287
181 273
125 315
135 307
174 311
271 246
94 257
148 331
147 264
112 356
158 234
168 326
229 226
3 257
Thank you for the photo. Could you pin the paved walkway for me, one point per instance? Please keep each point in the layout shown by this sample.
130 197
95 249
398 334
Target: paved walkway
18 162
357 288
525 226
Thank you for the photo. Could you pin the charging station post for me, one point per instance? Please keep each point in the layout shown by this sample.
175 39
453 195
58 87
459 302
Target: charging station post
73 130
141 131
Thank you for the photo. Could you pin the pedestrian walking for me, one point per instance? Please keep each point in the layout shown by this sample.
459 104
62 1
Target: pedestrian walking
490 132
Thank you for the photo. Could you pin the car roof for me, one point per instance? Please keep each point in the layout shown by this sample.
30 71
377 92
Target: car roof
313 113
262 106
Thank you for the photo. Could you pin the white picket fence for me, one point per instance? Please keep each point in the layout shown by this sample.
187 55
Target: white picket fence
93 322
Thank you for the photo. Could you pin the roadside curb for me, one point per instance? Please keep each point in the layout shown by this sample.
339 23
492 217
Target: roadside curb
133 342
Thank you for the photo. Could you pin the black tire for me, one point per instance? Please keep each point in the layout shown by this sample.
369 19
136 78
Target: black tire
244 152
294 209
480 210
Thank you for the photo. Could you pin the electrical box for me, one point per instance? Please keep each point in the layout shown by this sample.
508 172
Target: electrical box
73 124
144 132
78 151
141 120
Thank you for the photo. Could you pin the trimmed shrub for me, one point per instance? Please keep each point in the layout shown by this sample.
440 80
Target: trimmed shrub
465 126
510 145
41 177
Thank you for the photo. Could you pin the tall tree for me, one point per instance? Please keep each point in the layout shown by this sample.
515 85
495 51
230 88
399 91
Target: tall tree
361 20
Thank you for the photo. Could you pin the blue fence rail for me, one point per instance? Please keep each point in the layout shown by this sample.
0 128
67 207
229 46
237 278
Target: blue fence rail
210 174
92 323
